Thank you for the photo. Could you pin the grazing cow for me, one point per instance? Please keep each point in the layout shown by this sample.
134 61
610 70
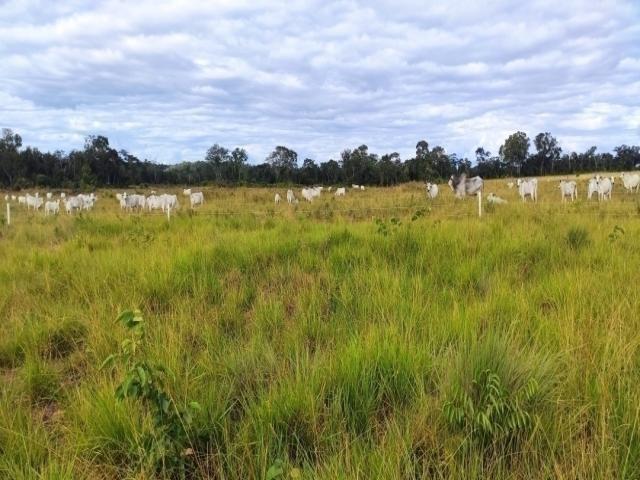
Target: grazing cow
169 201
528 188
22 200
341 192
432 190
493 198
71 204
52 207
354 186
197 198
592 187
13 198
290 196
49 195
568 188
154 203
510 184
630 181
361 187
329 189
277 198
463 186
63 195
307 194
87 201
6 198
186 192
605 188
34 202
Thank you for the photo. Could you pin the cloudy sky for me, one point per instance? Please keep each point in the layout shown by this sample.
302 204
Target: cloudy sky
167 79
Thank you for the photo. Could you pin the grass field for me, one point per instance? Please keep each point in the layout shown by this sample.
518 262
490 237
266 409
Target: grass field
373 336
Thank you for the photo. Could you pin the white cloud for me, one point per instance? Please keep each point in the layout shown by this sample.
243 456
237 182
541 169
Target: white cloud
167 79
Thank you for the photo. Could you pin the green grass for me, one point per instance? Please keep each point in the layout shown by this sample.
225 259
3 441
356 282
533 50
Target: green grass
330 338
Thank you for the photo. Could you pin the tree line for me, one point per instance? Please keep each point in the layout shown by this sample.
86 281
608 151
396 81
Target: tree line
100 165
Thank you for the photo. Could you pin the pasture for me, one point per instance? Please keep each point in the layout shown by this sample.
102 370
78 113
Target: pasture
375 335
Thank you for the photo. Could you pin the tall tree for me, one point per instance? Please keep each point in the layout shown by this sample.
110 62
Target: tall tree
515 151
548 152
284 162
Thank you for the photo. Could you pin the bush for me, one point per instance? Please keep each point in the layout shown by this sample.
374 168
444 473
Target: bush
494 395
577 238
11 355
41 383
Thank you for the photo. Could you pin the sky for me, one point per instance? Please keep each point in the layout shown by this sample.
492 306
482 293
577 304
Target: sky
167 79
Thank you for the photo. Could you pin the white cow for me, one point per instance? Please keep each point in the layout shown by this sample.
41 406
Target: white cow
22 200
71 204
87 201
154 202
341 192
186 192
277 198
13 198
34 202
52 207
592 187
493 198
568 188
528 188
169 201
6 198
432 190
510 184
49 195
197 198
361 187
290 196
308 194
463 186
605 188
63 195
631 181
354 186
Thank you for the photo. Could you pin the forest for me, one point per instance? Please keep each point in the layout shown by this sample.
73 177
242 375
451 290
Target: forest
97 164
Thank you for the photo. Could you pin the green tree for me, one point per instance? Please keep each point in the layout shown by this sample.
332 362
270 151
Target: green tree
284 162
515 151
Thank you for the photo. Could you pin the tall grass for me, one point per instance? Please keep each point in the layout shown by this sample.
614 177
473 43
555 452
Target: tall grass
321 344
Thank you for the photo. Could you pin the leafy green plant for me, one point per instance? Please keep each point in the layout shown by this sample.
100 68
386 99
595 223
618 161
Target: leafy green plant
385 228
617 233
488 412
145 381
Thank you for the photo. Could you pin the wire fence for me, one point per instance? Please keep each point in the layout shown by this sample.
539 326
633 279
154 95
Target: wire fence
14 213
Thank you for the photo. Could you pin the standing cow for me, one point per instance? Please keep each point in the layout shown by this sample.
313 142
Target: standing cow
463 186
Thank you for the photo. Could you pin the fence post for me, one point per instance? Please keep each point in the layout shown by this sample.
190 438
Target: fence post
480 203
8 214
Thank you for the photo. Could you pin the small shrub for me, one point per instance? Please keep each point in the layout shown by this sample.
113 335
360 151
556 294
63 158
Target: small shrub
145 381
41 383
488 412
616 234
11 355
577 238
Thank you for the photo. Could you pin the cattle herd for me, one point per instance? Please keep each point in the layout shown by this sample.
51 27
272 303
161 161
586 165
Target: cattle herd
309 194
601 186
127 201
461 186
